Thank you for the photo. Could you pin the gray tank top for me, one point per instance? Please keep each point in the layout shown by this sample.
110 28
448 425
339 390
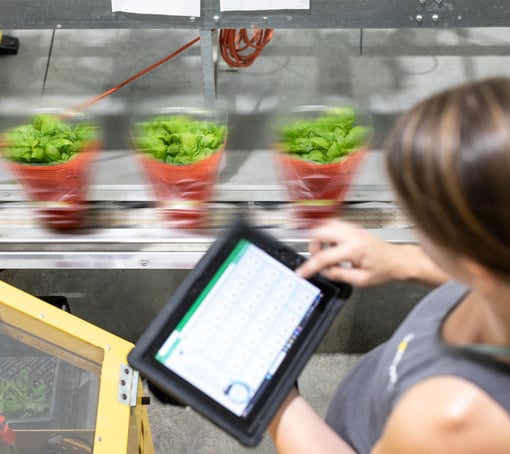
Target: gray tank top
365 398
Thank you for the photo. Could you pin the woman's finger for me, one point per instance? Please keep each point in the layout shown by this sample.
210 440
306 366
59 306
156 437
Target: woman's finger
354 276
315 246
324 259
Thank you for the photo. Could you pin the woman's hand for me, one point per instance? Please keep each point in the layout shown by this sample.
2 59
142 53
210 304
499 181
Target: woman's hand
344 252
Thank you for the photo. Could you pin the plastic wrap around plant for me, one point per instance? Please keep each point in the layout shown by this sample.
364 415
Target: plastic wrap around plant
317 191
50 155
183 190
319 150
181 154
60 189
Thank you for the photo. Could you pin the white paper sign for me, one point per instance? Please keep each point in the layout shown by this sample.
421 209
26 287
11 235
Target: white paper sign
261 5
163 7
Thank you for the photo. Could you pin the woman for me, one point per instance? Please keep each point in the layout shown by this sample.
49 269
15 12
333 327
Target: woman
441 384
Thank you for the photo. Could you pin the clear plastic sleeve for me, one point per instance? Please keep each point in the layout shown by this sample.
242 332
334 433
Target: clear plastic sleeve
59 190
316 190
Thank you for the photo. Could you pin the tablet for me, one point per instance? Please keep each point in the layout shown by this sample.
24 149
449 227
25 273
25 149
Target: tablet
235 335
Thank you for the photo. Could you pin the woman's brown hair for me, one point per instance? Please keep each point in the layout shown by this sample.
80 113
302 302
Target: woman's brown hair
449 162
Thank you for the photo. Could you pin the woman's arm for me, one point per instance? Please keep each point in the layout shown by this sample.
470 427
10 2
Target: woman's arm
441 415
444 415
341 251
298 429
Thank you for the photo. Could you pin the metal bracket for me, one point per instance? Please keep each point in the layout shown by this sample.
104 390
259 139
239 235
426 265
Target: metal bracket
128 386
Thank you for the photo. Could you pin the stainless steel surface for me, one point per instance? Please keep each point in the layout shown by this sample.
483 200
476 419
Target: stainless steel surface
125 230
119 236
61 14
409 64
209 57
226 192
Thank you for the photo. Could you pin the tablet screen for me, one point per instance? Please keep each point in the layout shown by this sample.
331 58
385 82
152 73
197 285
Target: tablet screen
239 329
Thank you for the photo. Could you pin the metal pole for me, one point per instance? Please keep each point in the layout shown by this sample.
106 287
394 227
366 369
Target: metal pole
207 51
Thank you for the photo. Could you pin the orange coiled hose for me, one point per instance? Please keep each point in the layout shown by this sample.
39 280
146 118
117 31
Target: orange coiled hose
239 49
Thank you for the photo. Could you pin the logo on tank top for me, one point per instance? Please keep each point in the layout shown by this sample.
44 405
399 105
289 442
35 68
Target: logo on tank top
401 349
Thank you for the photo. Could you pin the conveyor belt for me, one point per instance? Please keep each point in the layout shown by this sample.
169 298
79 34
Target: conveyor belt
133 234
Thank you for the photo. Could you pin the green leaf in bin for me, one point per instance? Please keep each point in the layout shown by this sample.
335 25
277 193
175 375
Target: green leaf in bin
189 142
37 154
52 152
179 139
319 142
172 150
325 139
356 137
62 143
208 141
84 132
334 151
21 397
46 140
316 155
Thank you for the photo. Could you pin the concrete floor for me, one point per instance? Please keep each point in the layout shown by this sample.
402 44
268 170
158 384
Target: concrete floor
385 71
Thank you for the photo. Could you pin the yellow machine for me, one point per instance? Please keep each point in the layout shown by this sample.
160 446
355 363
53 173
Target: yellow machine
65 386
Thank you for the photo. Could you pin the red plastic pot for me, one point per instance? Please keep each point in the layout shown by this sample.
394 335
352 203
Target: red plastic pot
59 189
317 190
183 191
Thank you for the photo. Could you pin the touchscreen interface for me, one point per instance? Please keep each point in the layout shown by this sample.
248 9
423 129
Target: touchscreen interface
240 328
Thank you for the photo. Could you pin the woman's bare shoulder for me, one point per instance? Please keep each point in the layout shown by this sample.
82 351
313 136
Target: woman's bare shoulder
443 415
